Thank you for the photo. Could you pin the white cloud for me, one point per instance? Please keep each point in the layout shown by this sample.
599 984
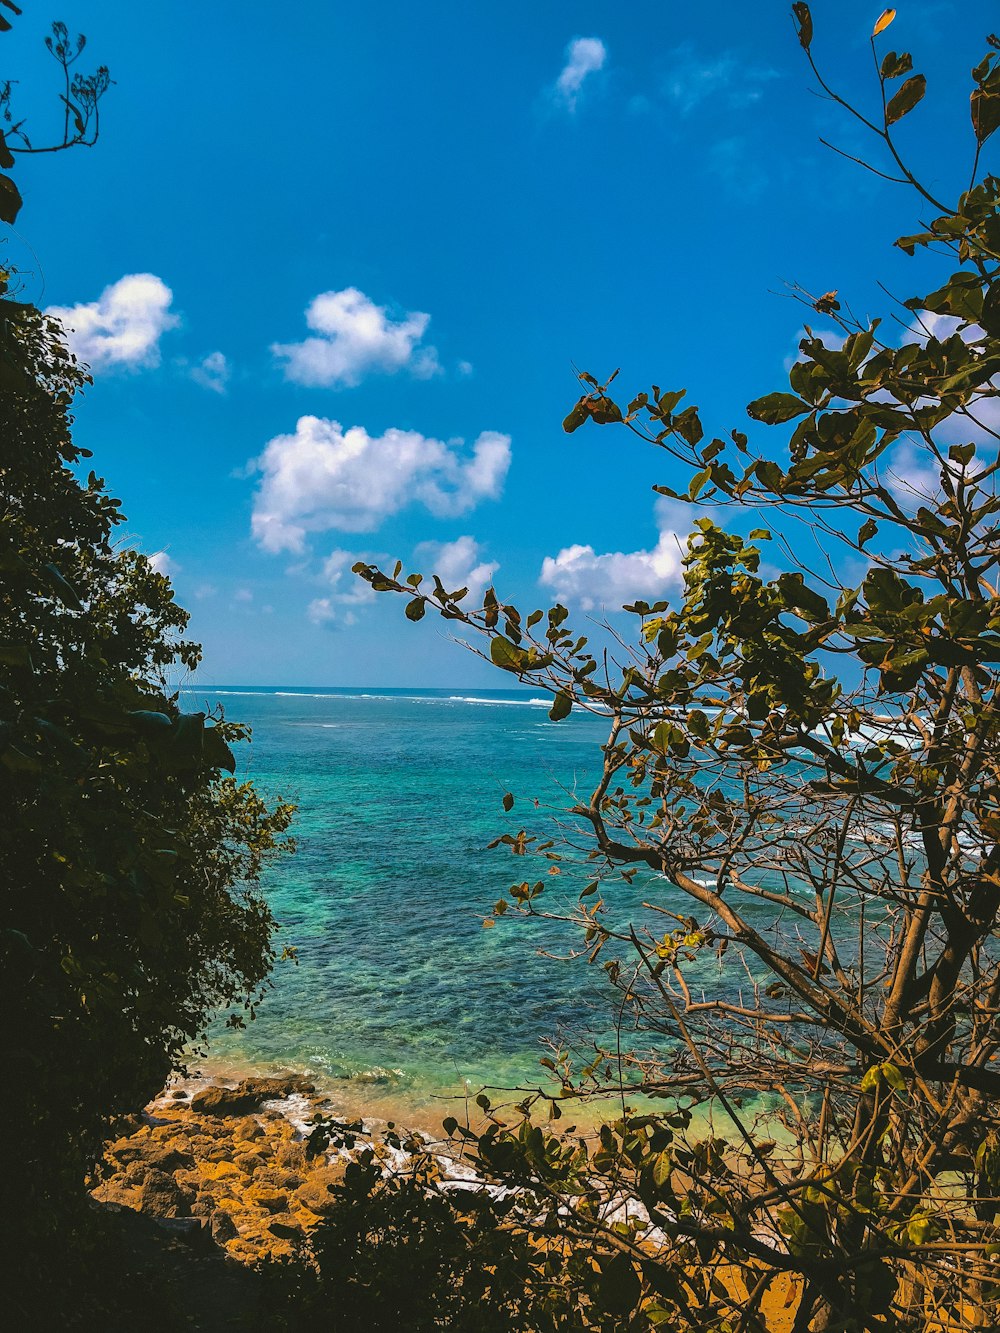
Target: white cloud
213 372
124 326
354 337
163 564
346 589
324 477
928 325
609 580
457 564
325 612
243 595
584 56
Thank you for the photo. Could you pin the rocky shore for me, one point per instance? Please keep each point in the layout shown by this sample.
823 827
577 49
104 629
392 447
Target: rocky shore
229 1165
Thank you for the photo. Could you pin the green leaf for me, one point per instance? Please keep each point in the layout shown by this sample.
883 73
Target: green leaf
906 99
984 107
620 1286
961 296
867 531
872 1079
505 655
893 1075
14 655
416 608
919 1229
663 1164
775 408
10 200
62 588
990 315
216 752
508 801
577 416
150 722
561 706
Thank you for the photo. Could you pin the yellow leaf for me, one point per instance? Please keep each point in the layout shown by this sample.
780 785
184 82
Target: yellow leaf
884 19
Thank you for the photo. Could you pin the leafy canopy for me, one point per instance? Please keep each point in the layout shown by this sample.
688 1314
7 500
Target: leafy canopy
802 773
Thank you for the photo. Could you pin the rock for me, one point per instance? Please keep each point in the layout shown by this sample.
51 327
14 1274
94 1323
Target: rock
116 1191
250 1163
218 1170
247 1095
248 1129
315 1193
163 1156
223 1228
161 1196
135 1173
292 1156
266 1196
285 1227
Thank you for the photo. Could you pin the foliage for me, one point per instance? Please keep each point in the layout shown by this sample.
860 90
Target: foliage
80 110
803 770
129 859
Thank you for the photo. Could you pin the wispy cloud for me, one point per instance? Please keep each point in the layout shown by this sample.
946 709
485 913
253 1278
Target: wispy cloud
584 57
123 327
353 337
345 590
323 477
213 372
725 79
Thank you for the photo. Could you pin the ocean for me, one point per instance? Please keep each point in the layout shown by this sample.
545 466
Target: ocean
401 1000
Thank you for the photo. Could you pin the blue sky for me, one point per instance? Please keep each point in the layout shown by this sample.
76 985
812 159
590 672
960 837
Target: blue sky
317 248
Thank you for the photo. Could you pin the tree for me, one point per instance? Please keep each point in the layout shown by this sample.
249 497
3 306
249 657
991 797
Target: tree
130 860
806 772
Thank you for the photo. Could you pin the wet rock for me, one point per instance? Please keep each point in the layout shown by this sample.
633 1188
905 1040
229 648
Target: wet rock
248 1095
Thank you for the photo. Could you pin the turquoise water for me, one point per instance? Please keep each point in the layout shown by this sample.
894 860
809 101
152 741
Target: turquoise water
400 996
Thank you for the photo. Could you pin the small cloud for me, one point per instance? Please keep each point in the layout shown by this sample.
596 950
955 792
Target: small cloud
213 372
324 477
243 595
609 580
457 564
353 338
163 564
204 591
123 327
465 368
346 589
584 56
